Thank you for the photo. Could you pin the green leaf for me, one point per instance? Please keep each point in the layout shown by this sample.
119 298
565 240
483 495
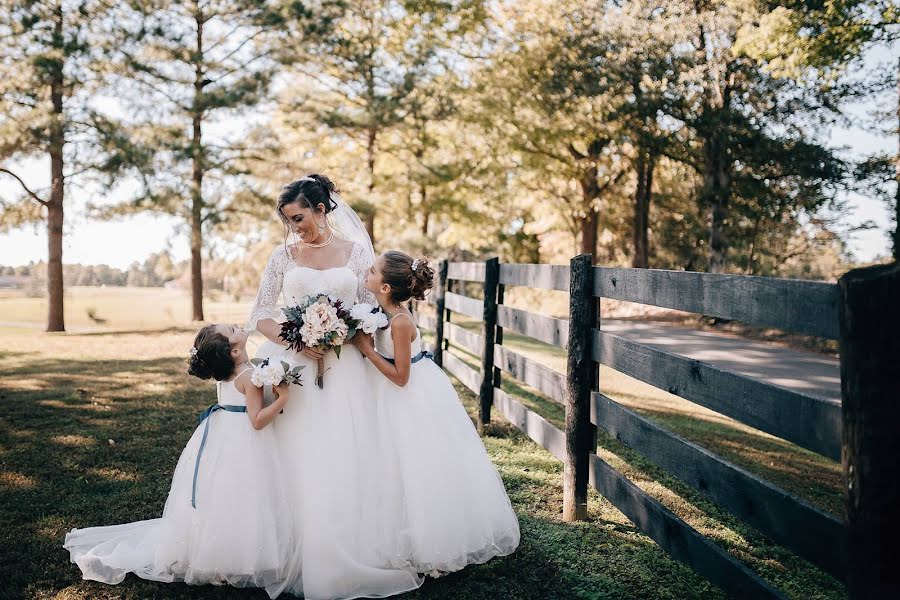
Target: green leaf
337 351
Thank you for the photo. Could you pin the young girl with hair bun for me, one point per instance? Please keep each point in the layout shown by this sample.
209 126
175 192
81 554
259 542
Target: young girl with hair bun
451 506
227 518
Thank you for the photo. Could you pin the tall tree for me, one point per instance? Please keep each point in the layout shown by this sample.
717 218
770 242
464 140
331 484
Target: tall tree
546 97
188 71
749 135
52 56
820 41
369 63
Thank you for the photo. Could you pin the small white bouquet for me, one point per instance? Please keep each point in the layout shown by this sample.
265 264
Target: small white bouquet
275 370
369 318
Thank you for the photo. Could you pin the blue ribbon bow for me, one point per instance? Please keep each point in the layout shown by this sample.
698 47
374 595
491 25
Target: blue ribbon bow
416 358
204 416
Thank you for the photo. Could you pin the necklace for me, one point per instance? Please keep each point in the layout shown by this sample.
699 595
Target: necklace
320 244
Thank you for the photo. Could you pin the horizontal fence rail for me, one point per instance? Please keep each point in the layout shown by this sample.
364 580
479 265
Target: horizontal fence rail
545 277
471 307
793 523
793 305
810 422
810 308
532 373
545 329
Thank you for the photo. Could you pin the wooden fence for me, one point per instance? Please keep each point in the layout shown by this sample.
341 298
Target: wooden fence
813 308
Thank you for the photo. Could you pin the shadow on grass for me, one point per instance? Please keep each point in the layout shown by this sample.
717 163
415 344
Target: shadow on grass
806 474
59 471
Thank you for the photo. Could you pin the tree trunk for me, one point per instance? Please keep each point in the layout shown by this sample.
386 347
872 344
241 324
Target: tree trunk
55 314
371 149
590 222
716 191
646 163
197 187
426 213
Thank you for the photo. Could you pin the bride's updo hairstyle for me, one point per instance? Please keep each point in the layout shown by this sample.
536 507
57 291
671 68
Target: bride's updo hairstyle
311 190
211 355
408 277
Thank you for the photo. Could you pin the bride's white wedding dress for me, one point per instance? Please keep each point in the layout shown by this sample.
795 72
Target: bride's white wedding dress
335 461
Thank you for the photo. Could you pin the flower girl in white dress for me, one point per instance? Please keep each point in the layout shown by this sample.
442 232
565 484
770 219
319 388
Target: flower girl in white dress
452 508
224 519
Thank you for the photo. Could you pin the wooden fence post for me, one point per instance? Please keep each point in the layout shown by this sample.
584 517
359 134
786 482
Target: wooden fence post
870 355
580 433
439 312
498 338
488 330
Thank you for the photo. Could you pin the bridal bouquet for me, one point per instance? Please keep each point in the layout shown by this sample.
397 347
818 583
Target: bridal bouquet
324 322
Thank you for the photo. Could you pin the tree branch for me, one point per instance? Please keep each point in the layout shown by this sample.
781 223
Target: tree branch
25 187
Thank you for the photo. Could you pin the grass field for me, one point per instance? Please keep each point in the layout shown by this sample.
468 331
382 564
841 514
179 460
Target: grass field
63 397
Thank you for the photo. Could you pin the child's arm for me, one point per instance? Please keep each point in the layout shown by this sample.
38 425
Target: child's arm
259 416
402 333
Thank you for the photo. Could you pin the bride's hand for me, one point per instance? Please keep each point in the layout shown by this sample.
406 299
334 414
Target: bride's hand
313 352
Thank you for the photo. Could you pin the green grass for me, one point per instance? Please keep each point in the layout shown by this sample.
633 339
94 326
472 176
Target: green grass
118 308
803 473
64 396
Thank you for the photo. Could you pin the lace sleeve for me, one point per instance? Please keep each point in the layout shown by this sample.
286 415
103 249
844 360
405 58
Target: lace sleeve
266 306
360 266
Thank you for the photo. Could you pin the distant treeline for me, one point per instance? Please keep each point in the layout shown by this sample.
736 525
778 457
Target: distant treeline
155 271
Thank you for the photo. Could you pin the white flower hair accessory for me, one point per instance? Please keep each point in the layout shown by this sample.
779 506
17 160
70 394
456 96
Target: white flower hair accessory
193 352
415 264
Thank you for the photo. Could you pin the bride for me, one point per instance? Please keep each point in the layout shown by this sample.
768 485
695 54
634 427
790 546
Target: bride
343 526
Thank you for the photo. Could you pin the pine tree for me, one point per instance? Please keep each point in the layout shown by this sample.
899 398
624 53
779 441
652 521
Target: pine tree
52 59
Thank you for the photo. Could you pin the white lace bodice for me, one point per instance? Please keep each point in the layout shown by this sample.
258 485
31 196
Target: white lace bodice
284 282
384 343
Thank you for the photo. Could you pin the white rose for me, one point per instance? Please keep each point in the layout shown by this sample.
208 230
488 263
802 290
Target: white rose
360 311
266 375
373 321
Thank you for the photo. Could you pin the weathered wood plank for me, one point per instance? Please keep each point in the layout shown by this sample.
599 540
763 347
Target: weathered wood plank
809 307
466 271
870 355
545 380
440 313
532 424
460 336
546 277
812 423
545 329
581 437
791 522
676 537
488 333
471 307
466 374
425 321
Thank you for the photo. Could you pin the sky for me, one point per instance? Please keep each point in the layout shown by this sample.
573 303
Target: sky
121 242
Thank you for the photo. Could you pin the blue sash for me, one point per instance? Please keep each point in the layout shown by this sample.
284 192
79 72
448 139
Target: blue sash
204 417
416 358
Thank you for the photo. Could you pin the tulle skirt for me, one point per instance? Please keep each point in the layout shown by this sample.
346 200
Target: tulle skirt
343 484
452 508
239 534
